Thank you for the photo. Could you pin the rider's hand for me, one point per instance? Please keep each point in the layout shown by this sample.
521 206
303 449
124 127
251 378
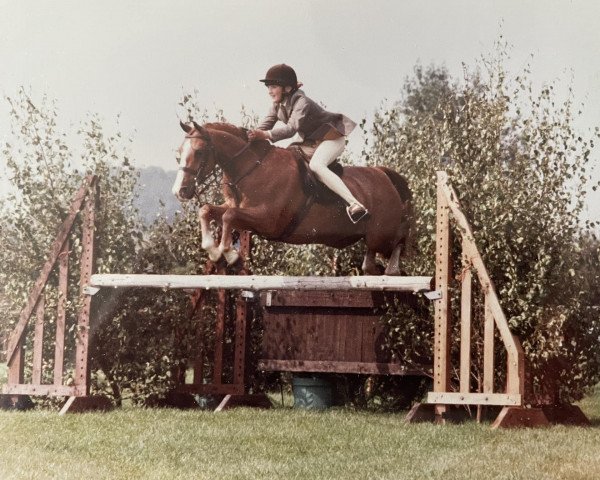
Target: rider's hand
258 135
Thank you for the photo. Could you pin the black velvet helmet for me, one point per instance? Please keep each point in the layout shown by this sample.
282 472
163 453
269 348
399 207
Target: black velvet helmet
282 75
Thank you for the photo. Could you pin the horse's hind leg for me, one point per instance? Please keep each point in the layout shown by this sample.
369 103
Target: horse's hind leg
394 263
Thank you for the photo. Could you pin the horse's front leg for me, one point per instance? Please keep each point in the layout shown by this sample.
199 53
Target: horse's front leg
207 214
240 219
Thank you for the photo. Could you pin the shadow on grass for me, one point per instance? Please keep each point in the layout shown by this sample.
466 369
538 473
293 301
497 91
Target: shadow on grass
594 422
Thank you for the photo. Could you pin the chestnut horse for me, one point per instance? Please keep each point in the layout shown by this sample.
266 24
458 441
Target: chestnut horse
263 191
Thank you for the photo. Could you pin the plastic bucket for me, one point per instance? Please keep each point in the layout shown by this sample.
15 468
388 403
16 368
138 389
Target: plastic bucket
312 393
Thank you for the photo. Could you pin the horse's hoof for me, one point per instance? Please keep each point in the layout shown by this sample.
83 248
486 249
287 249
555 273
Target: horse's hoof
214 255
394 272
232 256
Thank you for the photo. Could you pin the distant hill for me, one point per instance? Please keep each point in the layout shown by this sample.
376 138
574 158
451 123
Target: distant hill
153 187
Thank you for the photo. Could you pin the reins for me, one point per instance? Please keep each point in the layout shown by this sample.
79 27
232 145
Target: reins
233 184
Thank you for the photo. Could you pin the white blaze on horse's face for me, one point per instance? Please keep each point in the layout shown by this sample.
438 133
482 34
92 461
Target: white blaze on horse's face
185 151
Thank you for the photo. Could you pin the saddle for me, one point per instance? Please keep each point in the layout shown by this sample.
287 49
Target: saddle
311 185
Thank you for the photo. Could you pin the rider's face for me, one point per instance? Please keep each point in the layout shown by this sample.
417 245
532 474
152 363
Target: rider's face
276 92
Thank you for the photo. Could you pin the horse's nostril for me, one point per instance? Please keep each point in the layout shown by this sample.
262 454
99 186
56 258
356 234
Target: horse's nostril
186 193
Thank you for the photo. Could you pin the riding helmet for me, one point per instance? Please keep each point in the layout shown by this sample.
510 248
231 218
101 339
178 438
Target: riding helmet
282 75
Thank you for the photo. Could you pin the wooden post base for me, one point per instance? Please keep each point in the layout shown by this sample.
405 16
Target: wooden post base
256 400
16 402
509 417
425 412
420 413
182 400
520 417
94 403
566 414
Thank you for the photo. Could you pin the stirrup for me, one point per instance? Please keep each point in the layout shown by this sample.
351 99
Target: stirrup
357 212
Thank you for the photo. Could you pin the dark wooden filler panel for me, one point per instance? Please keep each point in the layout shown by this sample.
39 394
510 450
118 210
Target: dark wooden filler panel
326 331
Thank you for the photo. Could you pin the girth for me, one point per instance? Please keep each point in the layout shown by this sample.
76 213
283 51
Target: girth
314 190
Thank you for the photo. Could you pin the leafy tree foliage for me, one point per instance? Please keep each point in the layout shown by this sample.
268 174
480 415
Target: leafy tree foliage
44 173
521 172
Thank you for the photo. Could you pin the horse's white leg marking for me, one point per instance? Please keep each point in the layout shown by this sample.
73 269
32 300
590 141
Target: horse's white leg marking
230 254
208 242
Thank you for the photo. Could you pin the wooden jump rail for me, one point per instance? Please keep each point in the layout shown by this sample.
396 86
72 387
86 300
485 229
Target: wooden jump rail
263 282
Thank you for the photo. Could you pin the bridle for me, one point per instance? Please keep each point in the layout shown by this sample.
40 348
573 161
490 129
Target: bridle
198 174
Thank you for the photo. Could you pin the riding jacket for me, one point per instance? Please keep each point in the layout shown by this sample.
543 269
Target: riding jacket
304 116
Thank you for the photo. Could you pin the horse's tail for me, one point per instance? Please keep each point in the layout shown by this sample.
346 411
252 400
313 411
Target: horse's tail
401 186
399 183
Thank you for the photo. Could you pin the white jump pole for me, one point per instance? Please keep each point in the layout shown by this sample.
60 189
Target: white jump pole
263 282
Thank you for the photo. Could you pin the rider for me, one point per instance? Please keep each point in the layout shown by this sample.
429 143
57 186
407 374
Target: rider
316 126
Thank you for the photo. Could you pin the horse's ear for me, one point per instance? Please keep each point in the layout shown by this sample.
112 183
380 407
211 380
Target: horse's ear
185 127
198 128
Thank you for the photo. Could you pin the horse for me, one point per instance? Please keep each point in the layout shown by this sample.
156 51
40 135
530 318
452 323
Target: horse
263 190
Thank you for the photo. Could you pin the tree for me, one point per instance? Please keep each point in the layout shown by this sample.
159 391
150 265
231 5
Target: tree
44 174
521 171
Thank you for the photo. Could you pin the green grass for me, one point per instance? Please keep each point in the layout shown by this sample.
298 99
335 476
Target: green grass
286 444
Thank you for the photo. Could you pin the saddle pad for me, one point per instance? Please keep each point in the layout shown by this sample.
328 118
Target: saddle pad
310 184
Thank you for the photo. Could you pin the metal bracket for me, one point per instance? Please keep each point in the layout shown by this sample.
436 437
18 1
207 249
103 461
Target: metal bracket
89 290
248 295
269 298
433 295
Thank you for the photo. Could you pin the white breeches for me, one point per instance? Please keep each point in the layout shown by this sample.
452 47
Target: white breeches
324 155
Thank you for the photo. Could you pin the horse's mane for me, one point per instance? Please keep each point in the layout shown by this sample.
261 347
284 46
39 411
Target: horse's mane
239 132
228 128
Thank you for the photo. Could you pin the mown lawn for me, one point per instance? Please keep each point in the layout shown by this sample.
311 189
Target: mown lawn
283 443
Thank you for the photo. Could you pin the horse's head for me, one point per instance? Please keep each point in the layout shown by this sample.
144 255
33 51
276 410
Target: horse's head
197 160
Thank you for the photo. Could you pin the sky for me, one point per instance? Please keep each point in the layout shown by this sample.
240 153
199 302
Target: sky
135 59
